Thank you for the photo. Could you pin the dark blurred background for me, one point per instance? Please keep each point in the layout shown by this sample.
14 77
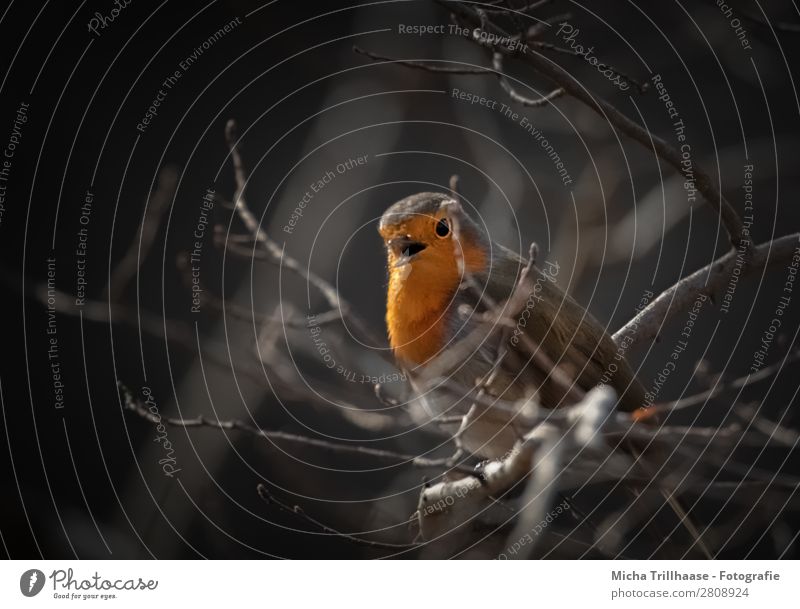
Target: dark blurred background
85 480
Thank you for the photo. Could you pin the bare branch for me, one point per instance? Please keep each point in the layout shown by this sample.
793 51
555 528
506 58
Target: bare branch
138 250
721 387
140 409
497 71
546 46
467 497
497 62
775 431
276 253
563 79
237 311
678 298
296 510
239 245
540 28
541 488
780 26
423 65
507 9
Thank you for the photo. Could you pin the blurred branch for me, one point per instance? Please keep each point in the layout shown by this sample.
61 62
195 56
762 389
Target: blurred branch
155 208
647 324
237 311
541 487
721 387
238 245
563 79
175 331
780 26
537 29
428 66
522 10
296 510
586 446
775 431
466 498
276 253
134 405
497 71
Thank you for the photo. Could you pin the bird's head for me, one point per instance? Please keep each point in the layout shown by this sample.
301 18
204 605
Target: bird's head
431 243
433 236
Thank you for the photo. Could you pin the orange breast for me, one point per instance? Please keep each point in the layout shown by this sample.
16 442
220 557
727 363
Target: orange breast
416 329
418 302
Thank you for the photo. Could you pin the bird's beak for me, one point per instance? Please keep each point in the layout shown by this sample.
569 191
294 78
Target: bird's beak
404 249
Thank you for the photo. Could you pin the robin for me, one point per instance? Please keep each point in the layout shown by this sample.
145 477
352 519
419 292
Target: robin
481 331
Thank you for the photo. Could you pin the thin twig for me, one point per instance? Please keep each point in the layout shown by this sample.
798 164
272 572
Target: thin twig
548 46
239 245
540 28
497 62
268 497
140 409
237 311
423 65
507 9
276 253
723 387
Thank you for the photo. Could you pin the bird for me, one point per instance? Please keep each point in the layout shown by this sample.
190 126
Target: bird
450 289
447 281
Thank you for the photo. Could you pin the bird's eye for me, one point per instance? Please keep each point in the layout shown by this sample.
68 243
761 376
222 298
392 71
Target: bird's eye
442 228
